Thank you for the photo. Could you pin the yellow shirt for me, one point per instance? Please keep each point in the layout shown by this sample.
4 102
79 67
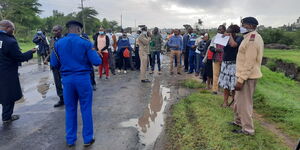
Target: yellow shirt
249 57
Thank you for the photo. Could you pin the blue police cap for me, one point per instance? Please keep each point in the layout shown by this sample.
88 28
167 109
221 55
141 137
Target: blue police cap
74 22
250 20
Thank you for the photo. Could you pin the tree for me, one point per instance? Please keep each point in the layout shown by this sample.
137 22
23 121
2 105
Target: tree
89 14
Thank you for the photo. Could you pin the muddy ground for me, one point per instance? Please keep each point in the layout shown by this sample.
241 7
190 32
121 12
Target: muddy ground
128 114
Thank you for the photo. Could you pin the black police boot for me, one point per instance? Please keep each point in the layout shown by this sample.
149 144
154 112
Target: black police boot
60 102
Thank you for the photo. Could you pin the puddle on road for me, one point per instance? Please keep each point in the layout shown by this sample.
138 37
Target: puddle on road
151 123
36 88
43 86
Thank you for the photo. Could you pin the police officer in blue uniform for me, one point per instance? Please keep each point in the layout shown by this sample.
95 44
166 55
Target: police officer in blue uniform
74 56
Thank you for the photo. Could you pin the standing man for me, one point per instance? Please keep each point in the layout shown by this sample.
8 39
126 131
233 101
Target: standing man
112 49
136 52
144 42
57 31
75 56
155 49
175 44
41 40
185 49
10 57
248 70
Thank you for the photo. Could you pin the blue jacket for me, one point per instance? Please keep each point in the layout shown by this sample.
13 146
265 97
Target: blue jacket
40 40
191 42
174 42
186 38
74 55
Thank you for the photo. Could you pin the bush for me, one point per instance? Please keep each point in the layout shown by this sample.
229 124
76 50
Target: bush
276 36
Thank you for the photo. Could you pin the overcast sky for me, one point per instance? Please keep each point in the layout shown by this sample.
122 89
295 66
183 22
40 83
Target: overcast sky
175 13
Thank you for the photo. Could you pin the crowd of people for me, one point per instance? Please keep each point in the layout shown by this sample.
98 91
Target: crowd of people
234 67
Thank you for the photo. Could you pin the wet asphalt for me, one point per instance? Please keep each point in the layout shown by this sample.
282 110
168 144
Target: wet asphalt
128 114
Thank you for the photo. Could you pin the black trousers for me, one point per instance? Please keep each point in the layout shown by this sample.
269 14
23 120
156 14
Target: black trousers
7 111
57 81
112 61
93 77
137 59
186 60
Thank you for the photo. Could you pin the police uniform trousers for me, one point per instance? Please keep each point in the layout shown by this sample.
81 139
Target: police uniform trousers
243 106
144 62
78 88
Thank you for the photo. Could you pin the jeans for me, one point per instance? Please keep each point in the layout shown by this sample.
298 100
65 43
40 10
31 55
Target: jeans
155 56
192 61
199 63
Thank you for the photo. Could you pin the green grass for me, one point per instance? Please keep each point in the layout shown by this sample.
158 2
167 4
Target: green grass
192 84
290 56
278 99
198 122
27 46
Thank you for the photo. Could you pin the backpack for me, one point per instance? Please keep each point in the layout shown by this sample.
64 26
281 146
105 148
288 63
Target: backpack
126 53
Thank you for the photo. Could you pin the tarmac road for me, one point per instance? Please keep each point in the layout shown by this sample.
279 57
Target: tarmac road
128 114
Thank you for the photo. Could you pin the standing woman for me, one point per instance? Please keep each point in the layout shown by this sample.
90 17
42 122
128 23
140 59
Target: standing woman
102 45
217 59
227 79
123 44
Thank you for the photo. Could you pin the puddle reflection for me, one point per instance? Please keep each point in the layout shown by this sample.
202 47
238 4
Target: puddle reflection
151 123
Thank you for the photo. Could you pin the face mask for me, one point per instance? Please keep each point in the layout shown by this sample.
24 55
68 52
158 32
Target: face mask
144 32
124 38
101 32
243 30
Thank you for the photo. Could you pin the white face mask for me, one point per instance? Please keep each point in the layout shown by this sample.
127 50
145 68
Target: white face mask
144 32
243 30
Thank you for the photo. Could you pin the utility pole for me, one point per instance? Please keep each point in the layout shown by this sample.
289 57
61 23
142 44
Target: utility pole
121 21
83 22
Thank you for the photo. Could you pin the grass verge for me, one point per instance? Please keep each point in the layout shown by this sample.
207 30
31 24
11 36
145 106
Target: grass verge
192 84
27 46
278 99
289 56
198 122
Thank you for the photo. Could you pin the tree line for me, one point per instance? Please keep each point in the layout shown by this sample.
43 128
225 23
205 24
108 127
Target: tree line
25 15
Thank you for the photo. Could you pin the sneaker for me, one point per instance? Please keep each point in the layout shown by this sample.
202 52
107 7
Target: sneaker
151 72
171 73
100 77
178 73
106 78
119 71
159 72
190 72
125 71
13 118
89 144
214 93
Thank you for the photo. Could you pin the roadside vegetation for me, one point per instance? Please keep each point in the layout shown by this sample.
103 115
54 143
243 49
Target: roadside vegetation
277 98
198 121
192 84
289 56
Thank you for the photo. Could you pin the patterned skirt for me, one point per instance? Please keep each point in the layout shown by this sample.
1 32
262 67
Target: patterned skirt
227 78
